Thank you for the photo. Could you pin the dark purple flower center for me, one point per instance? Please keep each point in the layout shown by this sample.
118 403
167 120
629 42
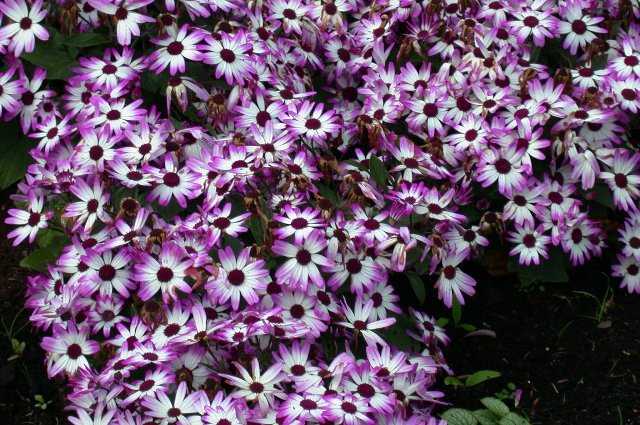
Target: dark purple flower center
92 205
74 351
25 23
289 13
629 94
634 242
256 387
555 197
430 110
449 272
359 325
313 124
503 166
171 330
52 133
171 179
299 223
107 272
113 115
298 370
307 404
377 299
529 240
227 55
34 219
27 98
630 60
576 235
164 274
175 48
304 257
96 152
262 118
349 407
235 277
621 180
579 27
174 412
531 21
296 311
354 266
109 69
121 14
222 222
366 390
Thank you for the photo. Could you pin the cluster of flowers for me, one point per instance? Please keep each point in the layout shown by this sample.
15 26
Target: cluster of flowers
231 245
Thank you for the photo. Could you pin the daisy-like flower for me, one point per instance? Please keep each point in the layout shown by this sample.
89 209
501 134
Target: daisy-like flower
428 112
359 319
629 270
540 24
241 276
10 92
628 93
98 417
622 180
25 27
255 386
91 207
298 223
127 21
180 410
165 274
230 55
348 409
289 13
505 168
154 381
116 116
304 259
110 271
177 45
581 29
453 281
68 349
30 221
531 244
173 182
313 123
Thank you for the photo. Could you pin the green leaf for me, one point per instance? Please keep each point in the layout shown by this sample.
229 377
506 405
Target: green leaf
485 417
328 193
442 322
457 416
85 39
257 230
453 382
496 406
14 154
481 376
513 419
378 171
456 311
41 257
418 286
55 59
603 196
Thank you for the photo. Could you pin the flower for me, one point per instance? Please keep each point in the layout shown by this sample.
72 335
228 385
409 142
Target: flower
230 55
531 244
69 348
165 274
358 319
453 281
127 21
26 25
256 386
304 259
30 222
176 46
179 411
240 276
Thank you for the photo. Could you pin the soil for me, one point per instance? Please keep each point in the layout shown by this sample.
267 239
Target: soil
572 368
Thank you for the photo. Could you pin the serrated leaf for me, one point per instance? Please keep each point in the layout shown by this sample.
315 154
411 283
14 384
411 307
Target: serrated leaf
14 154
485 417
513 419
378 171
458 416
481 376
85 39
418 286
495 406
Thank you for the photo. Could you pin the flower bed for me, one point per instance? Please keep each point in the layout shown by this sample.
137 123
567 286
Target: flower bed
220 190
